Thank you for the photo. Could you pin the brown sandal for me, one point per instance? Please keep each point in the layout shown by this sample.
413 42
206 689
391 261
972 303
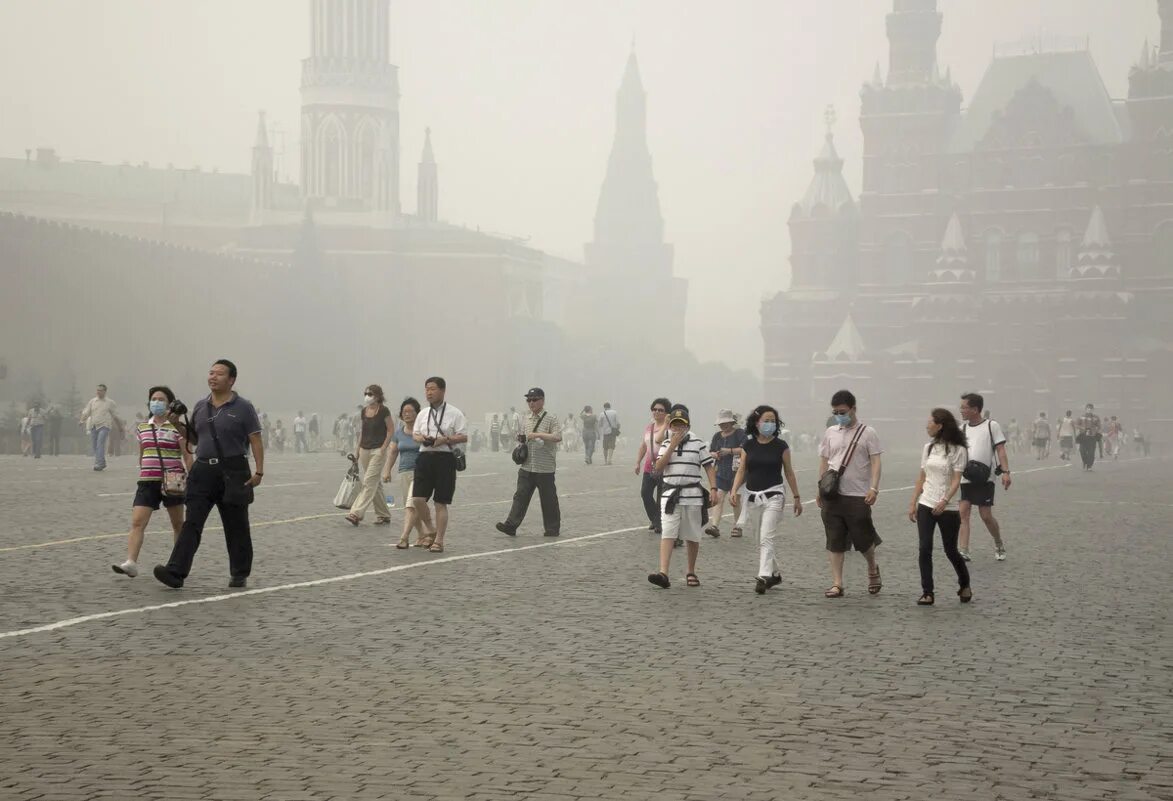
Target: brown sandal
874 583
436 547
835 591
352 520
426 540
402 544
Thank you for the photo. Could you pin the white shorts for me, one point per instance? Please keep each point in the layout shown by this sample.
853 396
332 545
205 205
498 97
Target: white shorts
683 524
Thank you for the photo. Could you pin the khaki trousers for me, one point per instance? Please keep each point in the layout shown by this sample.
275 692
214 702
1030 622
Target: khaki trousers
370 465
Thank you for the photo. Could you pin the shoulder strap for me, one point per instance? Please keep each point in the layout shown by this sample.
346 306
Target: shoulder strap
851 448
541 417
212 425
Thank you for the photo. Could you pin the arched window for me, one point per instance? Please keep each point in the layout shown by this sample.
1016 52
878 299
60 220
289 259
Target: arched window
365 160
1063 254
1028 256
993 256
331 158
898 255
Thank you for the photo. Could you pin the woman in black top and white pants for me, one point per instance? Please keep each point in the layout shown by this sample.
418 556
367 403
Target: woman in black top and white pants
764 459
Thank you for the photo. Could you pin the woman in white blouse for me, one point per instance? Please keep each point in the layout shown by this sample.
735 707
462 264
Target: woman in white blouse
934 501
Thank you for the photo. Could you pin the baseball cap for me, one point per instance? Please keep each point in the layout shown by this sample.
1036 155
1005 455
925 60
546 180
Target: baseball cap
536 392
679 412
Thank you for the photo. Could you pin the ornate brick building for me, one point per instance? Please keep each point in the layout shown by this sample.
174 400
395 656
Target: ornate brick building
1021 245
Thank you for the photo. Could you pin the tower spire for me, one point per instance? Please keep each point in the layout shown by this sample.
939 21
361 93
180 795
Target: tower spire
953 263
262 171
629 203
828 192
1097 259
428 184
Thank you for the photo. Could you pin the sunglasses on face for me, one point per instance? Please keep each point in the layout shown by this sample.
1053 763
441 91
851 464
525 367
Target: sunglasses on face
658 409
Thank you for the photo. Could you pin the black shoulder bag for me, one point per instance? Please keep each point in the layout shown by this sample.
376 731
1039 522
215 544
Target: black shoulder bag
521 452
236 493
829 481
457 451
979 472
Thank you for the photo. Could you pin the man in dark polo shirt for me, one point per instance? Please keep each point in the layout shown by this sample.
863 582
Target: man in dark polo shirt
226 425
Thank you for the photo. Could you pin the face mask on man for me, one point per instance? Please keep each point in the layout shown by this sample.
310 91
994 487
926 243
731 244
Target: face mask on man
368 400
843 419
768 428
157 407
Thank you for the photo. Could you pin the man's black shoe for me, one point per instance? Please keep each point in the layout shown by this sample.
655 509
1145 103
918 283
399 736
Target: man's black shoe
238 581
167 577
551 534
774 580
504 529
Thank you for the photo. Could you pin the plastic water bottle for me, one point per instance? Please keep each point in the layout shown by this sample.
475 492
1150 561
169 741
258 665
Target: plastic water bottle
390 500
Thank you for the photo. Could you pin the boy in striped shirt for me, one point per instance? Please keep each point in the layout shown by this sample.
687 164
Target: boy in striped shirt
683 461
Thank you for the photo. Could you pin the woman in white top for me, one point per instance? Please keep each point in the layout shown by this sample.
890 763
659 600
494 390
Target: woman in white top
934 500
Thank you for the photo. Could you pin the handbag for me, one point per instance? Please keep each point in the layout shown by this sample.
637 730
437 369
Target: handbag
520 454
174 482
979 472
614 426
236 493
829 481
348 490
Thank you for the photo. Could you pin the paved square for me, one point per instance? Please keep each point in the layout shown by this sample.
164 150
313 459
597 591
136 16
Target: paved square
516 669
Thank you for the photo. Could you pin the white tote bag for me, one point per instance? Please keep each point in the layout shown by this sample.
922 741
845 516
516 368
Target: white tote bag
348 490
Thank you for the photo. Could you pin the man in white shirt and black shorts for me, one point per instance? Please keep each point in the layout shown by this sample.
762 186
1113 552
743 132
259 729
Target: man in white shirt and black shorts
987 445
439 429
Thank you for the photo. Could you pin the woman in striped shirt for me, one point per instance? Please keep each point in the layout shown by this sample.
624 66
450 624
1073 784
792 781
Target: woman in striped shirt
162 447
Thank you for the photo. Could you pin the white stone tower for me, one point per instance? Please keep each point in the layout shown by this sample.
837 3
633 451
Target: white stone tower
350 109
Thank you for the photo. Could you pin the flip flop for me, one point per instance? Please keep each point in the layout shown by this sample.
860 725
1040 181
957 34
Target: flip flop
660 580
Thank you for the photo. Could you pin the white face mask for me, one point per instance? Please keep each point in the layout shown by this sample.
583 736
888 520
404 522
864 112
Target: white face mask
368 399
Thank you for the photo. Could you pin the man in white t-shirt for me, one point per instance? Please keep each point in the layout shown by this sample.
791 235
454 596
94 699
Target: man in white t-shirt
440 429
853 449
609 431
987 445
300 429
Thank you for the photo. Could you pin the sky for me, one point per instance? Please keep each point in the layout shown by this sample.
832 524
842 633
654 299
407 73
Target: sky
520 96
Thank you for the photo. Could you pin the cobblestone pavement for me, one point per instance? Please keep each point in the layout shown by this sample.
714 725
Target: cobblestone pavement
516 669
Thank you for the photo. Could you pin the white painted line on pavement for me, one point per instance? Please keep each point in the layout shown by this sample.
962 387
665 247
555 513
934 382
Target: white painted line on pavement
77 621
263 486
34 545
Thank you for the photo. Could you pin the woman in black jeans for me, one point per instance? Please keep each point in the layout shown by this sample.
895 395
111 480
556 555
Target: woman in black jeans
933 501
654 435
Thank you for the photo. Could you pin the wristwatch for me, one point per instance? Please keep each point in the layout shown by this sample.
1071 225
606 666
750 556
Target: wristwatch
258 473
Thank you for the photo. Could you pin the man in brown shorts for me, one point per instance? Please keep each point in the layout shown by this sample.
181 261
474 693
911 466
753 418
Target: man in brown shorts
847 518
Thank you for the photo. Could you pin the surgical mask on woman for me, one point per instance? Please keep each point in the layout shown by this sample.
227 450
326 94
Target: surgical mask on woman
768 428
368 400
157 407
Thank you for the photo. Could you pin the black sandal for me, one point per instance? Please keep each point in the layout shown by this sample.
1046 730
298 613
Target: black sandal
660 580
926 600
965 594
691 580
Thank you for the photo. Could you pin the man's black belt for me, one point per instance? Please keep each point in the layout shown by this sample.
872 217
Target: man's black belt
216 460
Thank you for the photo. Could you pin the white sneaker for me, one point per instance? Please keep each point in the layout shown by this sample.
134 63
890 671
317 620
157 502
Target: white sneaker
1000 553
127 568
964 555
